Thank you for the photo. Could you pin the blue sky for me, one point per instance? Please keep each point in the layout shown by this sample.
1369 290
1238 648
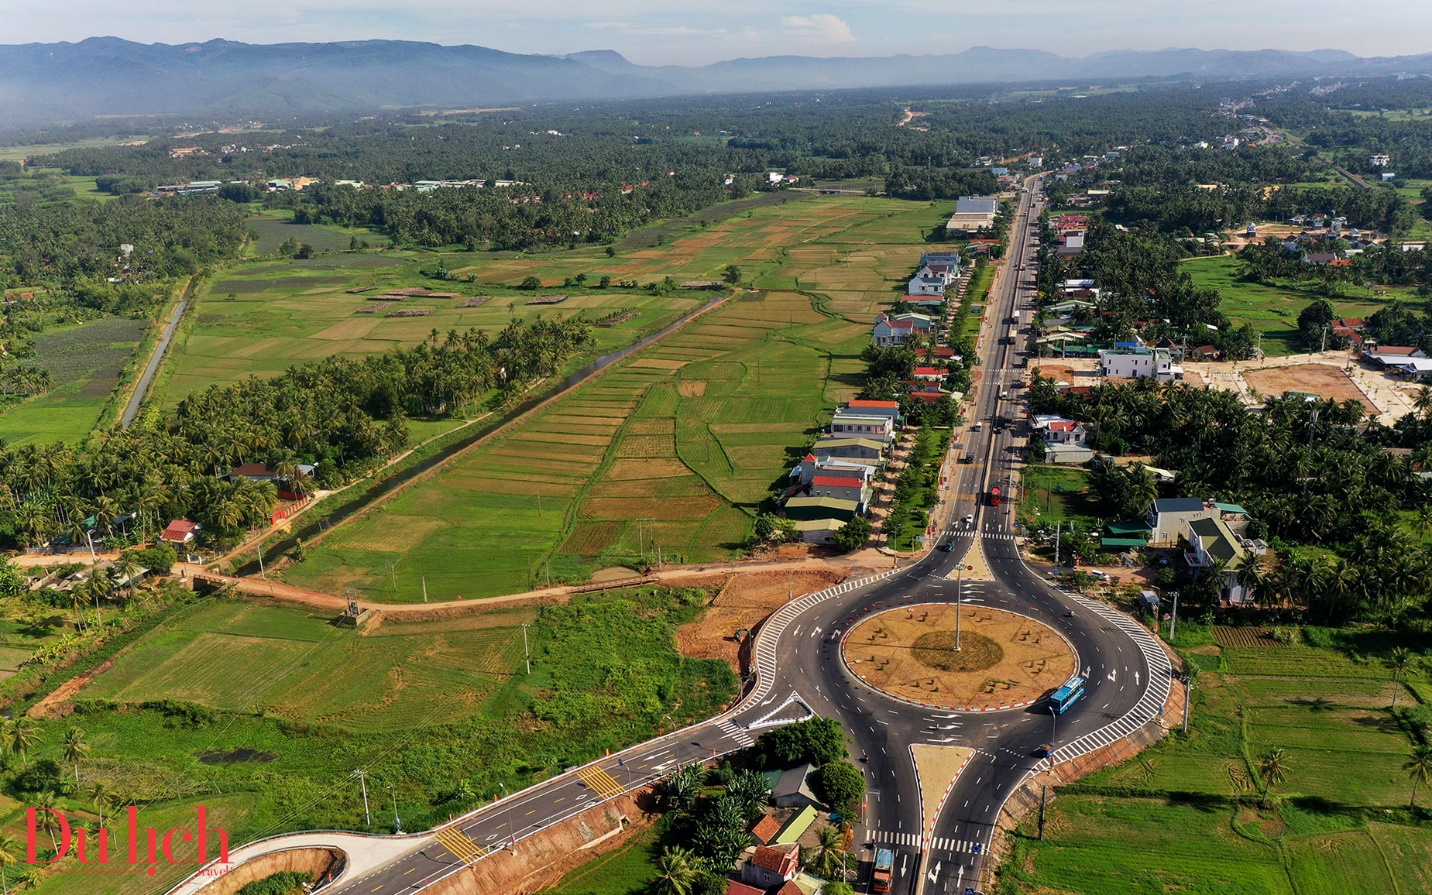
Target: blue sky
701 31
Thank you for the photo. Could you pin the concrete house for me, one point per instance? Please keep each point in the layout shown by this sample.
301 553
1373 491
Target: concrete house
180 532
899 329
1213 541
772 865
841 487
819 531
1139 363
1058 430
1168 518
849 423
870 407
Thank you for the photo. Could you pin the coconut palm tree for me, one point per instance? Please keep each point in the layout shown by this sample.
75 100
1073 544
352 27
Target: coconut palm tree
1398 660
1419 768
45 806
75 749
20 734
102 799
9 854
676 872
1273 768
829 855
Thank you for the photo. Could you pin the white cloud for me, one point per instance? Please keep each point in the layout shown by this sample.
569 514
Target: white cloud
821 27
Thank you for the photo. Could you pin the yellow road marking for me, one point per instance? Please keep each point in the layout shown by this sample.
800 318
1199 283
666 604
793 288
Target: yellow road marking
462 848
602 783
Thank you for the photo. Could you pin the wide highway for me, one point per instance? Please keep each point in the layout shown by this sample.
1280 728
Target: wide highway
799 672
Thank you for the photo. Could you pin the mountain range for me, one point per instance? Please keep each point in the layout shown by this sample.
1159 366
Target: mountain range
45 83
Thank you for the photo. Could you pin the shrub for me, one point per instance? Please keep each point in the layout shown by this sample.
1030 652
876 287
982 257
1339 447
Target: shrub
840 785
287 882
816 741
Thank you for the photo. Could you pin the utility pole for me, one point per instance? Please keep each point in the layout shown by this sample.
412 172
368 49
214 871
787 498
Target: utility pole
362 776
525 654
397 822
1058 529
1043 797
425 588
1173 619
393 577
260 551
1187 700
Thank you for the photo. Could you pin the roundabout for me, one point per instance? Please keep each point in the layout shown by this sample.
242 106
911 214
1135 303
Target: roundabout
990 659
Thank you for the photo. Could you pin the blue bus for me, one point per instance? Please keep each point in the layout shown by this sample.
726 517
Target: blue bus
1067 695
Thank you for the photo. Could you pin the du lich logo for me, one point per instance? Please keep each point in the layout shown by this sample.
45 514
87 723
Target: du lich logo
144 848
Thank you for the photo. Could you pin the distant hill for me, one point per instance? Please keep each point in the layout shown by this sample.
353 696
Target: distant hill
42 83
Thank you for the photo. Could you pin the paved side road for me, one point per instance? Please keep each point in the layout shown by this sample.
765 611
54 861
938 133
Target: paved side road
155 359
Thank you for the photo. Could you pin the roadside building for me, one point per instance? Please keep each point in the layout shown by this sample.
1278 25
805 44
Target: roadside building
806 509
1140 363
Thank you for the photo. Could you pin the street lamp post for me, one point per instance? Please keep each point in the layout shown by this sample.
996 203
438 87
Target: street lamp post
1053 725
397 821
527 656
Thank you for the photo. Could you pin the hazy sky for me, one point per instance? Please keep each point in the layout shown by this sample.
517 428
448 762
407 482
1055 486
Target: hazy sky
701 31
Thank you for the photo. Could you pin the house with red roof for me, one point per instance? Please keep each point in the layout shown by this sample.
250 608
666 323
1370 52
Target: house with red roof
899 329
929 374
868 407
180 532
735 887
1058 430
841 487
772 866
765 829
929 396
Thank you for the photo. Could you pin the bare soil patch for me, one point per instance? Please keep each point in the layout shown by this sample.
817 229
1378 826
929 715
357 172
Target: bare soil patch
1318 379
742 601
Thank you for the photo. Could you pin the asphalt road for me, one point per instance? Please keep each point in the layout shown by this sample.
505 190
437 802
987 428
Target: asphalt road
799 672
155 359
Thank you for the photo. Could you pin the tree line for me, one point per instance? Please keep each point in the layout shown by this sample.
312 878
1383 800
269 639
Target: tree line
343 416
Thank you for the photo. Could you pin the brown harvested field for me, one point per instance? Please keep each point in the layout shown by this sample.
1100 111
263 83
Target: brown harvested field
745 599
1318 379
1016 659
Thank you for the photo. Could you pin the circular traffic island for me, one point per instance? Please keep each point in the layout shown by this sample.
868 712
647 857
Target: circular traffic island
996 660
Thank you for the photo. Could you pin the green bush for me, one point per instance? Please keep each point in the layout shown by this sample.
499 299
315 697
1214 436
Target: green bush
816 741
289 882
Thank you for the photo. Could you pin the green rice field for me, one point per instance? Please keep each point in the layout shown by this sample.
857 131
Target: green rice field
1338 822
85 363
669 453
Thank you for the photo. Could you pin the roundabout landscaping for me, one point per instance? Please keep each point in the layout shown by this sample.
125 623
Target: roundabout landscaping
1005 660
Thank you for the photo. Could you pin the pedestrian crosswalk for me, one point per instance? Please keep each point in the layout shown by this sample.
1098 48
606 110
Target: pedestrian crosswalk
940 843
730 730
461 847
883 838
602 783
958 846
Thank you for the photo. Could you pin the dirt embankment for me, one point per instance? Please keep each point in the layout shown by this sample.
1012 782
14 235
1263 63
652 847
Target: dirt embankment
542 860
741 601
317 861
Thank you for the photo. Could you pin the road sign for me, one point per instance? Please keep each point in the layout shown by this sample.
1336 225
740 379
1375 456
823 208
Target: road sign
970 890
978 848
